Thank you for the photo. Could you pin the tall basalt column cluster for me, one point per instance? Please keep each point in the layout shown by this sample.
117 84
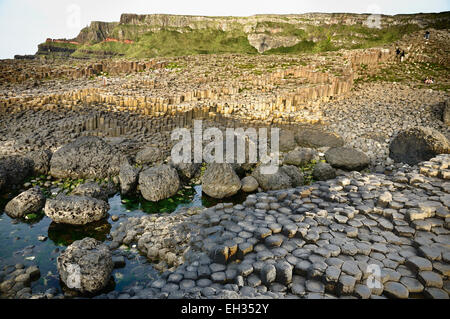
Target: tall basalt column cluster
19 71
370 57
198 88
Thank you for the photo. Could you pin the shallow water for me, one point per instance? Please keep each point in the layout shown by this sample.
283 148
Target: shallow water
19 238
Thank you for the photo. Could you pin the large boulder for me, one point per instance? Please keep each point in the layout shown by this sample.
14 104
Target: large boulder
347 158
41 161
418 144
249 184
300 156
86 265
86 157
294 174
316 138
220 180
14 169
28 202
75 210
159 182
323 172
275 181
149 155
128 177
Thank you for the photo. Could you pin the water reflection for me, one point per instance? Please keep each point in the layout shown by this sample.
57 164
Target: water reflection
64 235
19 241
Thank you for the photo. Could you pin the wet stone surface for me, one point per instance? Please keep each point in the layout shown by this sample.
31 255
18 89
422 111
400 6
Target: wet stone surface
254 252
359 235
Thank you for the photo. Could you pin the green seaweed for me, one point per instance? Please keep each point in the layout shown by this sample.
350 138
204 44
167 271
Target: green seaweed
168 205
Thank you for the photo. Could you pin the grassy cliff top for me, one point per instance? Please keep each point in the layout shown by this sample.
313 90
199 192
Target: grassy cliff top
145 36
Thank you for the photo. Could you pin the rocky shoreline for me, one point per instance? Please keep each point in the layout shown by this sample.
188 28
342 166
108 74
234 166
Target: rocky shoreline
311 242
287 240
92 205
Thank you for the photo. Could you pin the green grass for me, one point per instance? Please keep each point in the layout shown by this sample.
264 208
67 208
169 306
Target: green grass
413 73
112 47
379 37
173 43
307 170
173 66
327 37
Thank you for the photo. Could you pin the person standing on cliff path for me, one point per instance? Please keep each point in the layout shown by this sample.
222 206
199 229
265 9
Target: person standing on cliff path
402 56
397 53
427 36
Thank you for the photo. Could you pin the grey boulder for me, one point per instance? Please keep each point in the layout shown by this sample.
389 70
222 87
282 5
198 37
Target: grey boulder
86 266
249 184
300 156
295 175
75 210
323 172
86 157
281 179
220 181
28 202
418 144
41 161
128 177
159 182
347 158
14 169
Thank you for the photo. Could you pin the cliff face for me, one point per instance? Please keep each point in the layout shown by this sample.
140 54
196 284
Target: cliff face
56 49
143 35
98 31
250 24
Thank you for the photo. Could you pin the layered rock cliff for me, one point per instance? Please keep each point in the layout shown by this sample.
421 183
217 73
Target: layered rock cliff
98 31
162 34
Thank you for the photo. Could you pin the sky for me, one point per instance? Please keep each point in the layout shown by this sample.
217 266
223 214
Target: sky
26 23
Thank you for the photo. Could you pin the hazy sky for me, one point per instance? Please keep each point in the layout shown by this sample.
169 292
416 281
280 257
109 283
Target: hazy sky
26 23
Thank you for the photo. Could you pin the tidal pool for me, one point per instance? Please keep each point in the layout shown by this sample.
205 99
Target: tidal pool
19 241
